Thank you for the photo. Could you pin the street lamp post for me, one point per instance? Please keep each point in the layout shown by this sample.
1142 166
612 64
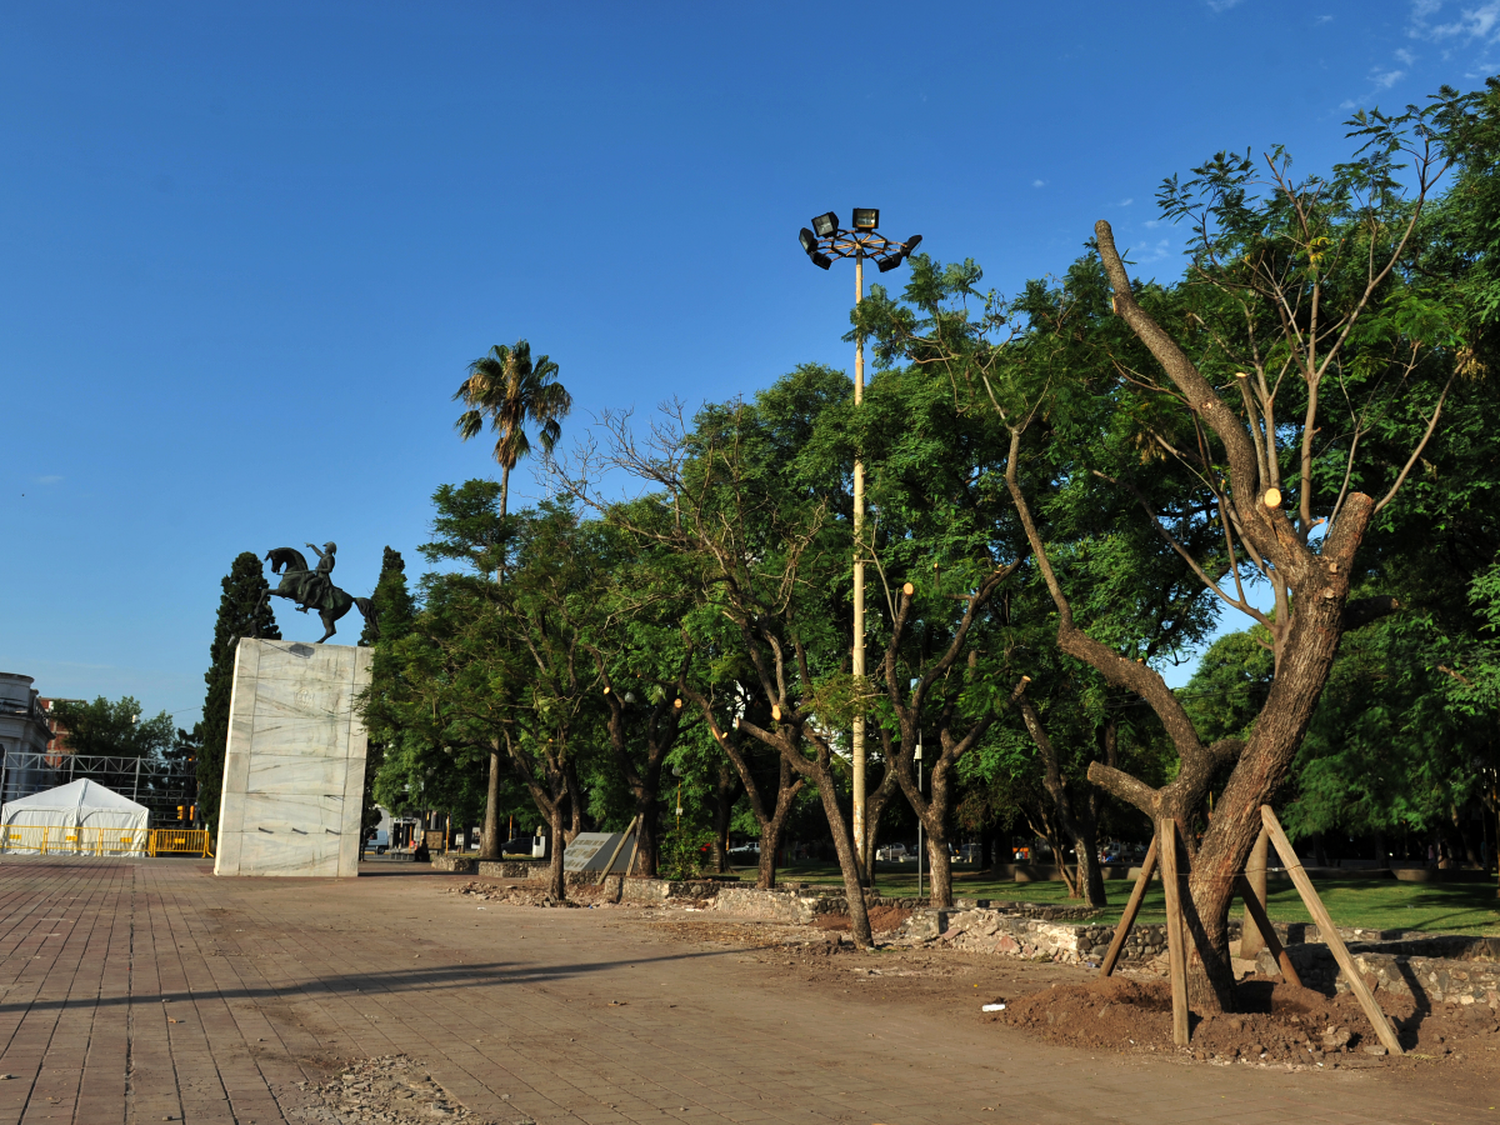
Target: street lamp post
823 243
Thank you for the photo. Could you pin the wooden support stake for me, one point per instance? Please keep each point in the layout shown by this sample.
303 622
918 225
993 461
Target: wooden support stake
1319 913
1166 834
1255 871
614 855
635 846
1262 923
1132 908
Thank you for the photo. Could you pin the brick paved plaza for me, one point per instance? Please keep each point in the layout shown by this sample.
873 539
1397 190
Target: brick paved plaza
144 991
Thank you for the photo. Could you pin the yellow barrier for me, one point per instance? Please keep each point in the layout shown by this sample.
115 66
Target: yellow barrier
59 840
181 841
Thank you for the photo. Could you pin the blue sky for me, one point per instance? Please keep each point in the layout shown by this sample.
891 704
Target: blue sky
249 250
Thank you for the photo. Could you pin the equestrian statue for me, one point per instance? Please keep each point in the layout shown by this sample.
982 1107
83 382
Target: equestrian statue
312 588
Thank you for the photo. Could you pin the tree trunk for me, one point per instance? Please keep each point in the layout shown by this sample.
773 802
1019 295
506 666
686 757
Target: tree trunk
772 829
940 890
1090 875
489 840
1079 824
557 885
648 846
726 792
875 802
843 844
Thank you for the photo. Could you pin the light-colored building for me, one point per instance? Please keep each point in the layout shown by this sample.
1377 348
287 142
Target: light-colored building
24 734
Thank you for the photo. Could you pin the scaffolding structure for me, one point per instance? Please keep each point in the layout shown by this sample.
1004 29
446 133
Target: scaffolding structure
162 787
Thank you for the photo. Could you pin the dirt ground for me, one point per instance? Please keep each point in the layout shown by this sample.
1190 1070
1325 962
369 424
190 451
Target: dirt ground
1278 1025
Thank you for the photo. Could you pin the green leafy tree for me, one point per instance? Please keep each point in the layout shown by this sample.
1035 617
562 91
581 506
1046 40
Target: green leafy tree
946 512
115 729
769 557
244 611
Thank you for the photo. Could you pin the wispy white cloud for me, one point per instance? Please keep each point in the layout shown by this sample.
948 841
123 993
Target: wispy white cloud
1321 20
1481 22
1153 251
1223 5
48 480
1405 57
1038 183
1385 79
1125 203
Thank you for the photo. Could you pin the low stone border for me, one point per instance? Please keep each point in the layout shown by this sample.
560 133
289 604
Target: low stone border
1435 968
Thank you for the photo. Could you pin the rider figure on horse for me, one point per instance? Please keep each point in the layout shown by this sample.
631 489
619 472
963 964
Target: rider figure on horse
319 585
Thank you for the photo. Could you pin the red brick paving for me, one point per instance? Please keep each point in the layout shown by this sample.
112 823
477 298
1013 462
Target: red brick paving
147 990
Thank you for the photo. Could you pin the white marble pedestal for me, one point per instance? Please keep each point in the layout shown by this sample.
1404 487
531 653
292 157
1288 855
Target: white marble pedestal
294 769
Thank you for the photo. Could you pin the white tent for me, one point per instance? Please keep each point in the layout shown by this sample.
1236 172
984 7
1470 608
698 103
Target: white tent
80 818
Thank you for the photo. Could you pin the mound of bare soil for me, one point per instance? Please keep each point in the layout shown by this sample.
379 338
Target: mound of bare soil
1276 1023
883 919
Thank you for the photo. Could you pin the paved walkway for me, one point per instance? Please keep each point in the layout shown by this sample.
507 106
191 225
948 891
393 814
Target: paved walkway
145 991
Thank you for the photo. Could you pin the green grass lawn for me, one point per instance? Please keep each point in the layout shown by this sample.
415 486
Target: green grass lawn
1376 904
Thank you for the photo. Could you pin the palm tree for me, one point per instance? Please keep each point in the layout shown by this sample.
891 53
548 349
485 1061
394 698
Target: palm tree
509 389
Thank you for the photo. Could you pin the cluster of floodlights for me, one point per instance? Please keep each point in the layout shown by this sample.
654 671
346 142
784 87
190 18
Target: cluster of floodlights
826 241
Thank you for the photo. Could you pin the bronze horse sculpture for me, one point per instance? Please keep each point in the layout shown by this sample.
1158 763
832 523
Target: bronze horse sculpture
311 588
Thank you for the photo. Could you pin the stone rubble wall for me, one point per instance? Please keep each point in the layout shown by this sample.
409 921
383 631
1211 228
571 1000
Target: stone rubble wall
1009 933
1470 976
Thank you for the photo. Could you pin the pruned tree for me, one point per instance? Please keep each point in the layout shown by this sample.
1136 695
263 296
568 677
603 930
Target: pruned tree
1310 328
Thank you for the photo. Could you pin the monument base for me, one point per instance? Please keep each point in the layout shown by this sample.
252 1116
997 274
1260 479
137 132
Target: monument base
294 767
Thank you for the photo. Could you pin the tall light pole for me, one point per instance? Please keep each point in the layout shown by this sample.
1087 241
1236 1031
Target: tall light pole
825 242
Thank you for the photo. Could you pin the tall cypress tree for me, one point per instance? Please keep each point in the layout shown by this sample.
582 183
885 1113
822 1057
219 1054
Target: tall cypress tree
392 601
243 612
394 612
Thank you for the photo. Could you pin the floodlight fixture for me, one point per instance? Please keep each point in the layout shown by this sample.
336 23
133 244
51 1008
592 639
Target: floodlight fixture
862 242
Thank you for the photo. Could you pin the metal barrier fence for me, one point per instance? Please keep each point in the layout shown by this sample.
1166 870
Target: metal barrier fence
60 840
181 841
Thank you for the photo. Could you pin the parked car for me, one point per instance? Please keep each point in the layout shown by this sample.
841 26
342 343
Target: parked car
521 845
891 852
378 839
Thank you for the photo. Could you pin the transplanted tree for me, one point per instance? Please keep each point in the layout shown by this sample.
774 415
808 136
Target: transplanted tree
244 611
1305 325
